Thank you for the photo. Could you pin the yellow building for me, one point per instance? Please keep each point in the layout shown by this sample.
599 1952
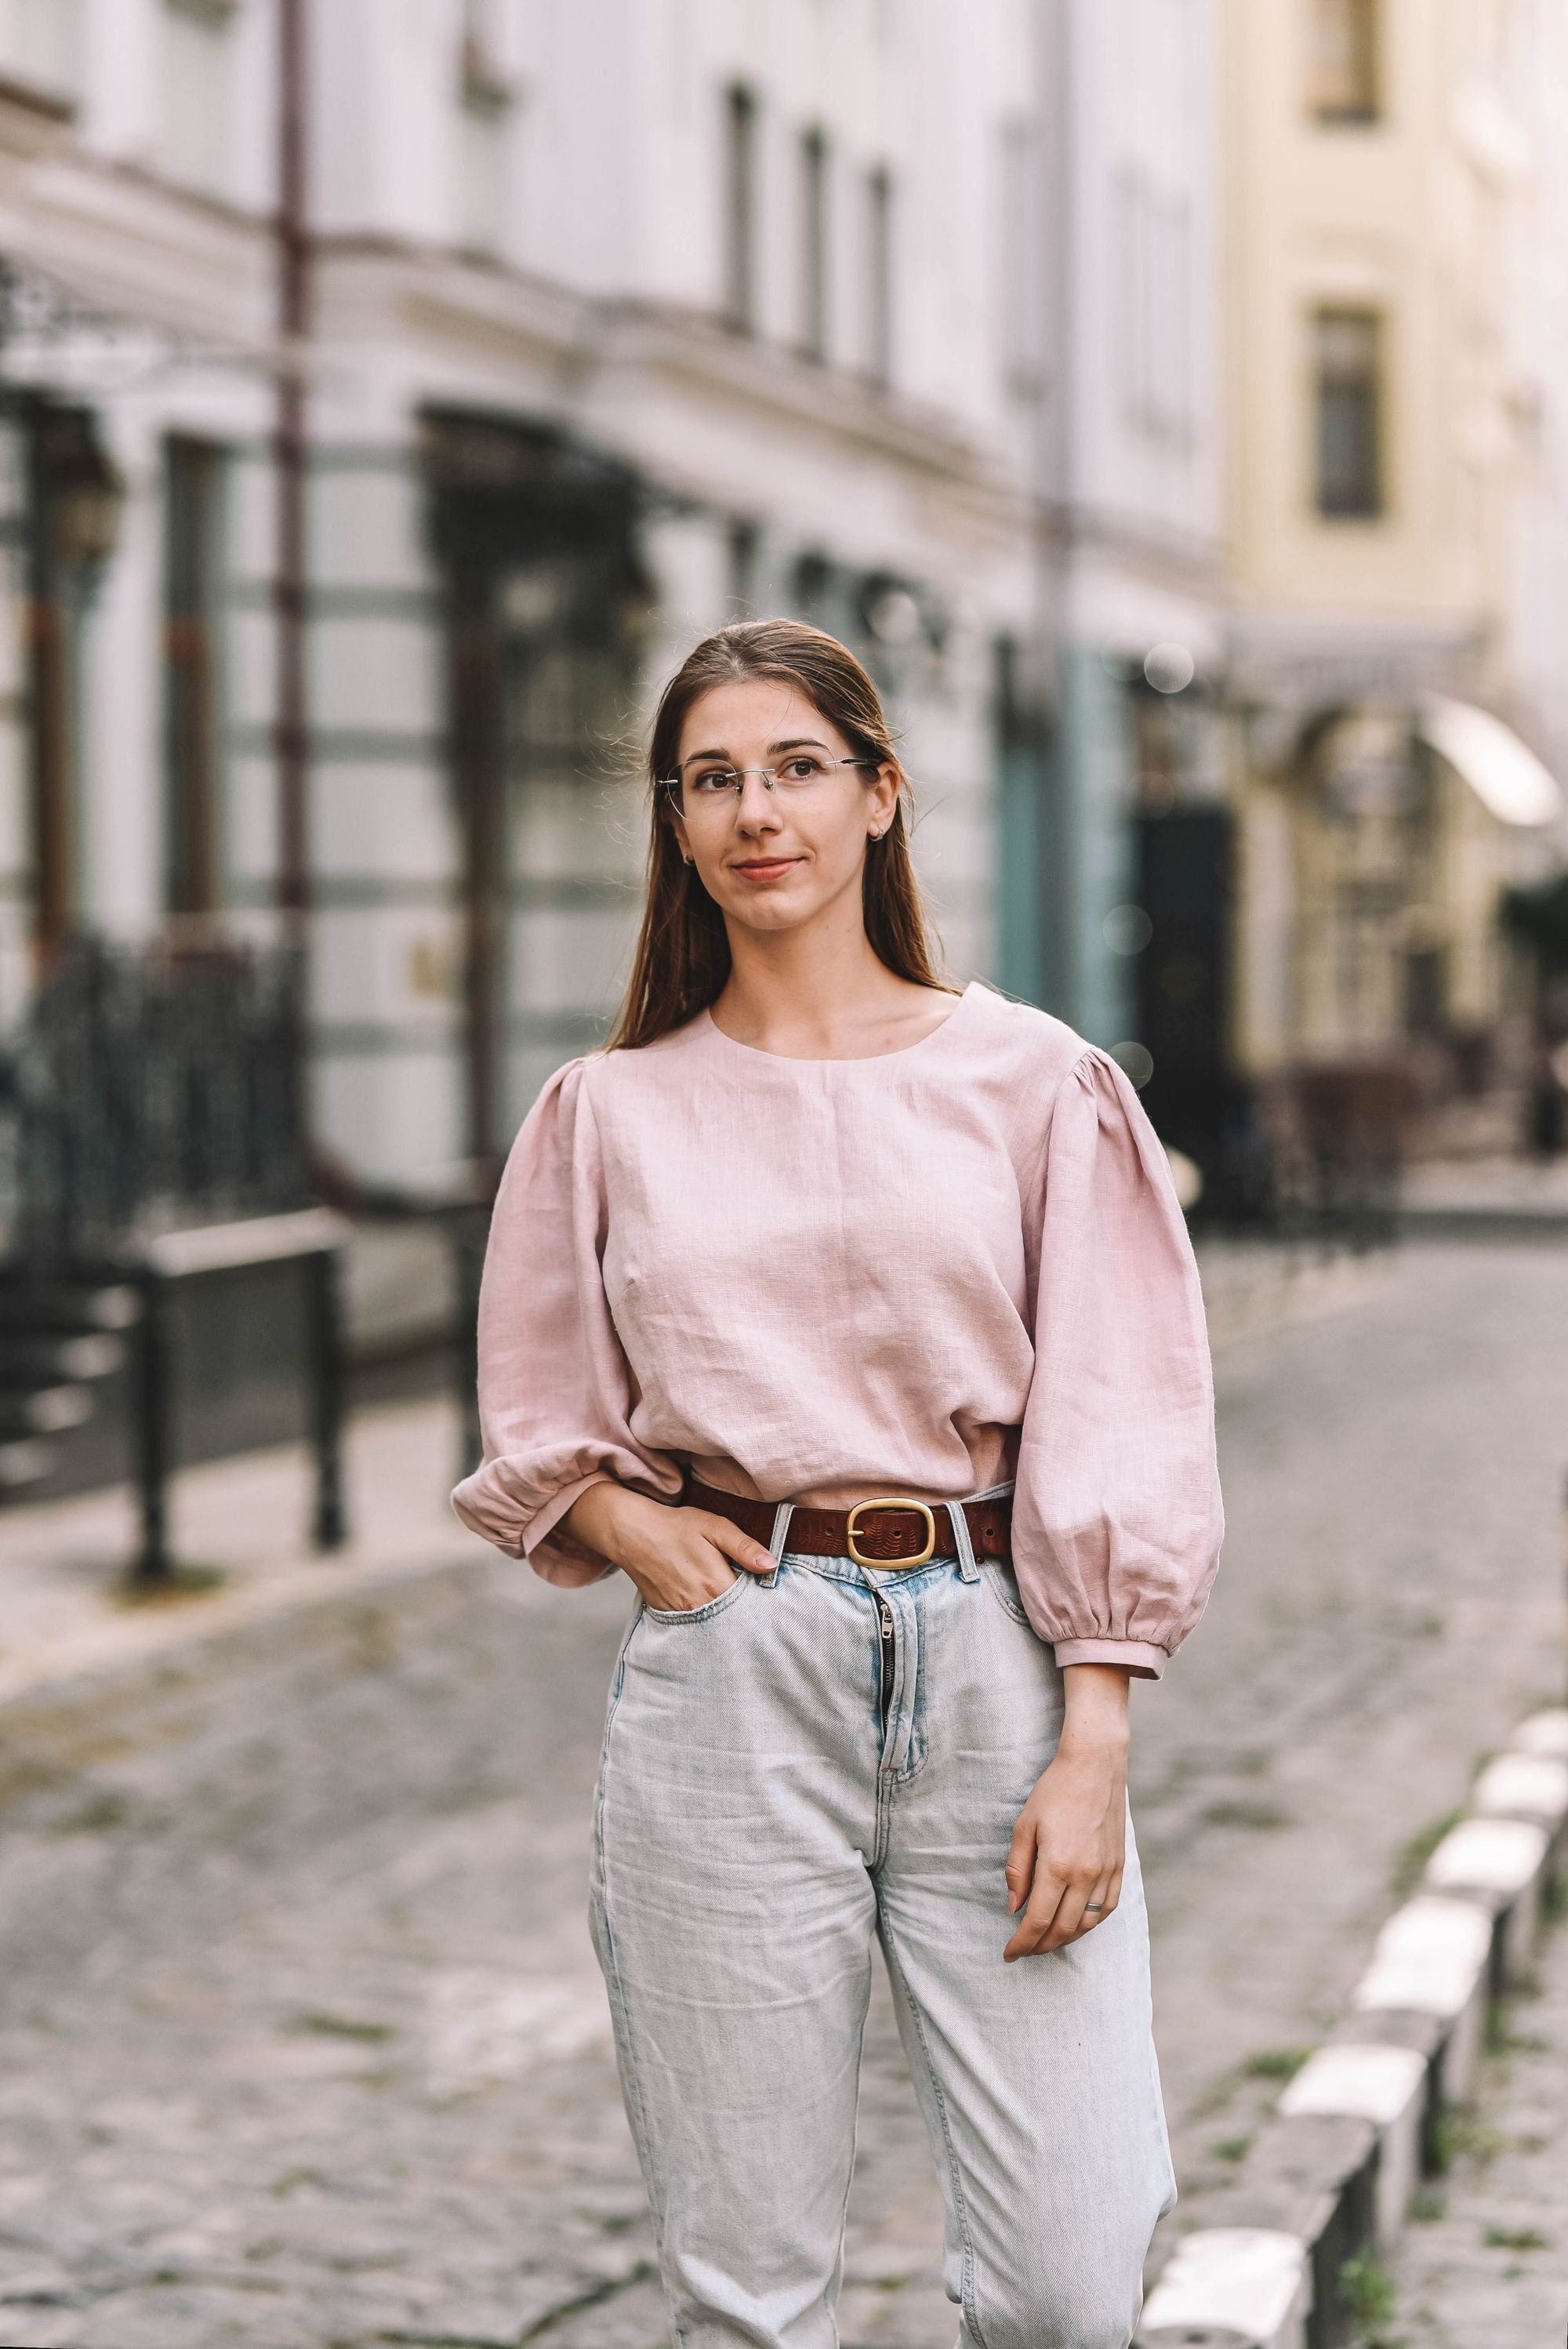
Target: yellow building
1381 176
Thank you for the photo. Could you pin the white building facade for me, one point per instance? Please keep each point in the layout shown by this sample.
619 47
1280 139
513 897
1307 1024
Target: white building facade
625 318
1118 367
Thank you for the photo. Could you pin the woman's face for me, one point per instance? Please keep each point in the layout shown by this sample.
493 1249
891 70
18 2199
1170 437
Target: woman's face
772 859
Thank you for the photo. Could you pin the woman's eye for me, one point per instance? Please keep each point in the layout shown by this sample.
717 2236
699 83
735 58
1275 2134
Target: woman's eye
803 770
718 779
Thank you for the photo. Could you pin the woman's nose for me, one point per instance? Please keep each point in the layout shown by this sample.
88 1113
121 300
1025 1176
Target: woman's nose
757 805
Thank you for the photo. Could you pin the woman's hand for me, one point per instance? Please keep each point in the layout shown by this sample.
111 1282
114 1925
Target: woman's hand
678 1558
1064 1869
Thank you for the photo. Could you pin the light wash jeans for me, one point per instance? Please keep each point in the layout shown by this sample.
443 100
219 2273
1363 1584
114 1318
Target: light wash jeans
772 1798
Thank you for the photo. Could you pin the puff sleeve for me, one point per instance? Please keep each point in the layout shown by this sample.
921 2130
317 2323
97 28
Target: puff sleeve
1117 1517
555 1390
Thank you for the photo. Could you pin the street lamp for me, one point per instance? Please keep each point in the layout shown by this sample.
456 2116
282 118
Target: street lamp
86 507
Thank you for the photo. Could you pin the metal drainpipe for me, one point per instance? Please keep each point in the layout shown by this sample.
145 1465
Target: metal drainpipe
291 732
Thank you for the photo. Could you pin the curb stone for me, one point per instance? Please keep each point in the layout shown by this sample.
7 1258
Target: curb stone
1330 2176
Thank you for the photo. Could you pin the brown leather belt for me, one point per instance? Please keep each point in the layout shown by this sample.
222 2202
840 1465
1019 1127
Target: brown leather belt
892 1530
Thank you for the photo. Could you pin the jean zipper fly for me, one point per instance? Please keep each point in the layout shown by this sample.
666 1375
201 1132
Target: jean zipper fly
888 1656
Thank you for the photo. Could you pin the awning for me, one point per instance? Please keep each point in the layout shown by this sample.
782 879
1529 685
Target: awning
1504 774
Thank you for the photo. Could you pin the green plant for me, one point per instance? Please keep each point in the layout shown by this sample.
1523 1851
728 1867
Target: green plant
1233 1813
344 2026
1428 2202
1231 2148
1275 2063
1460 2133
1367 2290
1516 2239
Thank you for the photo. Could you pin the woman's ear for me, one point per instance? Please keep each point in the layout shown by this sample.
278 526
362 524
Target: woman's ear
883 797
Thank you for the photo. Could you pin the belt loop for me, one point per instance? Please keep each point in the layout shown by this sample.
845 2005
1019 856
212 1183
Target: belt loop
968 1570
781 1517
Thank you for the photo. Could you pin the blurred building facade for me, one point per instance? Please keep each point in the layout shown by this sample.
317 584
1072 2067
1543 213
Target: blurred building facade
1393 346
1166 397
1118 361
606 324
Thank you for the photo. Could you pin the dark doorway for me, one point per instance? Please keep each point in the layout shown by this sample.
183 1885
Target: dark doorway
1184 888
193 505
546 598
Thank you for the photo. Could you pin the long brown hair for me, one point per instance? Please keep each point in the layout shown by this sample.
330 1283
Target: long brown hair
683 949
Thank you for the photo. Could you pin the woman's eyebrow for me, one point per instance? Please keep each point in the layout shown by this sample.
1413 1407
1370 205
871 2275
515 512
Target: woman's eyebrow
800 743
705 754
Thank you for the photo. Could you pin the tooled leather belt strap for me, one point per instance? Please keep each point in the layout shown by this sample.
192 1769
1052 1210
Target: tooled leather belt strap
889 1531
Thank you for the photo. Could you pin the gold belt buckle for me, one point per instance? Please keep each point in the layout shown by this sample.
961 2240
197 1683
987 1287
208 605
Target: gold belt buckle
891 1565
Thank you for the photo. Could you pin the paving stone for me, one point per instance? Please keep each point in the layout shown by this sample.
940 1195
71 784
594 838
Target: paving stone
1489 2269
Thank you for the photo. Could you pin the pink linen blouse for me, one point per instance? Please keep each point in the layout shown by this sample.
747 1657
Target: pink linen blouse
925 1272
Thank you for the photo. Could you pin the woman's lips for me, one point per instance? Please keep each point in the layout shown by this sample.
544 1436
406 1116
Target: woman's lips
766 868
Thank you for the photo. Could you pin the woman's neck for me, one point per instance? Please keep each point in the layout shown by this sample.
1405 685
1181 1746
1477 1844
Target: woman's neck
811 994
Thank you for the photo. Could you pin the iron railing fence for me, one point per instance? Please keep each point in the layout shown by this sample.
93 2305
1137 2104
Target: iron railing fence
145 1088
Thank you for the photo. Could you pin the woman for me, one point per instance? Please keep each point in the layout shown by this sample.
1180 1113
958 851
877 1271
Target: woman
854 1320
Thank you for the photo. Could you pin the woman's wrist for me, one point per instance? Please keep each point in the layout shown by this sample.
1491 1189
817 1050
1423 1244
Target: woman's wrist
1095 1720
617 1524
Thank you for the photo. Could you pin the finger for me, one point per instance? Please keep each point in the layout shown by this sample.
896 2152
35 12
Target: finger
737 1546
1034 1924
1082 1909
1100 1902
1019 1873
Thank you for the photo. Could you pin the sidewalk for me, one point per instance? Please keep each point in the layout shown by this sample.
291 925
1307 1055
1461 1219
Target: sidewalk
63 1608
1521 1197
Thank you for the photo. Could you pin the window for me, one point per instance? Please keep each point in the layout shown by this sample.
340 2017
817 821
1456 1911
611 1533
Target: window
192 558
1021 272
488 94
740 211
1348 366
1345 77
45 44
745 551
879 276
198 93
814 291
1154 296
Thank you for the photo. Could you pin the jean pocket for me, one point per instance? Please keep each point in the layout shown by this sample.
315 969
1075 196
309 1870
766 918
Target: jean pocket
1002 1583
678 1616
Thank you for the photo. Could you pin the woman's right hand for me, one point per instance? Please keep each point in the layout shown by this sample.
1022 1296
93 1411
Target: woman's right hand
678 1558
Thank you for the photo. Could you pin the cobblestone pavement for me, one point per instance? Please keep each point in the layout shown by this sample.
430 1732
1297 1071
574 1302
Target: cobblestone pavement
302 2045
1488 2267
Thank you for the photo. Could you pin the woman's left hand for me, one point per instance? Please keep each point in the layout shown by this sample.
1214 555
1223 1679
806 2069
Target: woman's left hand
1070 1845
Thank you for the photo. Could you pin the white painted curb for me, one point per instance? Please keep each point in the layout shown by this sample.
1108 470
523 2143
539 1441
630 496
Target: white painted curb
1385 2085
1252 2287
1524 1787
1500 1862
1430 1958
1247 2282
1544 1732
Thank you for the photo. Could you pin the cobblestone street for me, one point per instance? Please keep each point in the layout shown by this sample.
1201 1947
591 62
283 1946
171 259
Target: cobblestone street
1490 2262
302 2045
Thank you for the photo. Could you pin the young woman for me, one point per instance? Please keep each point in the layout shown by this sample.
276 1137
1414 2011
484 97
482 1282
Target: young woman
854 1320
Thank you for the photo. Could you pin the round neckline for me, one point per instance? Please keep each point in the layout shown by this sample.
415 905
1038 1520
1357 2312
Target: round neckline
838 1061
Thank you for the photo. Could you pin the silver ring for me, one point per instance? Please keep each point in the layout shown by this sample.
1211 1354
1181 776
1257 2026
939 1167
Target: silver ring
1090 1906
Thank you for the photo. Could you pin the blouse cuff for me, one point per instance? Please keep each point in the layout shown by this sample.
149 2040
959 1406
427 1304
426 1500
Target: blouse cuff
557 1557
1134 1656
